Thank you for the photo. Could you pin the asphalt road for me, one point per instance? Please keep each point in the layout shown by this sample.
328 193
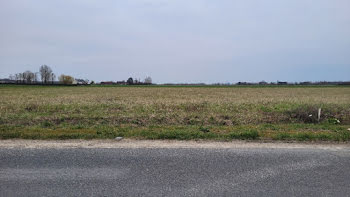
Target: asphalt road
174 172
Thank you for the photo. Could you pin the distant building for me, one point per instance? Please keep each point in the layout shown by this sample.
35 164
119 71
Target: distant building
7 81
282 83
107 83
121 83
81 82
245 83
305 83
345 83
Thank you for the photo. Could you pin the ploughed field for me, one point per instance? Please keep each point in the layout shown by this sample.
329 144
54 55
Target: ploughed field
160 112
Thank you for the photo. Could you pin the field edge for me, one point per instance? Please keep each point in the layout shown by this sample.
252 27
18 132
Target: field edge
279 132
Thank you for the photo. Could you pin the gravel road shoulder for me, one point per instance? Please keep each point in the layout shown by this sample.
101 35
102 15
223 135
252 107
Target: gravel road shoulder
129 143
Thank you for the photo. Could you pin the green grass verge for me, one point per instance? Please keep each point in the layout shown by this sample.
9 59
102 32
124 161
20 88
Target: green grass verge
298 132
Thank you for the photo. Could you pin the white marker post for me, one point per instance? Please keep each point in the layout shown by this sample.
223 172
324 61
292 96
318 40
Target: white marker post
319 115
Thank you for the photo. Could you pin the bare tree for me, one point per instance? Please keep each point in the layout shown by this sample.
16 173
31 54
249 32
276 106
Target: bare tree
52 77
46 74
19 78
28 76
36 77
16 77
148 80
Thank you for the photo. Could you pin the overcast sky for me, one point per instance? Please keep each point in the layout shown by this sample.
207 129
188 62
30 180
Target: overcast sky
178 40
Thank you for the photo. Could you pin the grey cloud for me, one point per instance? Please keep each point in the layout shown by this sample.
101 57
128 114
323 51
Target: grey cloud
178 41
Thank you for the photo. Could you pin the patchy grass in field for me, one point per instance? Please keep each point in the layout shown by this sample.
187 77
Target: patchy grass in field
221 113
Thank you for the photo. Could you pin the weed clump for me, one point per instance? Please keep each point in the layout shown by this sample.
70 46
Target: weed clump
204 129
46 124
333 121
305 114
31 107
309 114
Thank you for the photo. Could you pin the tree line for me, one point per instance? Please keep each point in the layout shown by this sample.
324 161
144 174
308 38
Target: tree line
46 75
129 81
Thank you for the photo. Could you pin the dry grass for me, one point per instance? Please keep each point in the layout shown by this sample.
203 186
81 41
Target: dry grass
136 107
